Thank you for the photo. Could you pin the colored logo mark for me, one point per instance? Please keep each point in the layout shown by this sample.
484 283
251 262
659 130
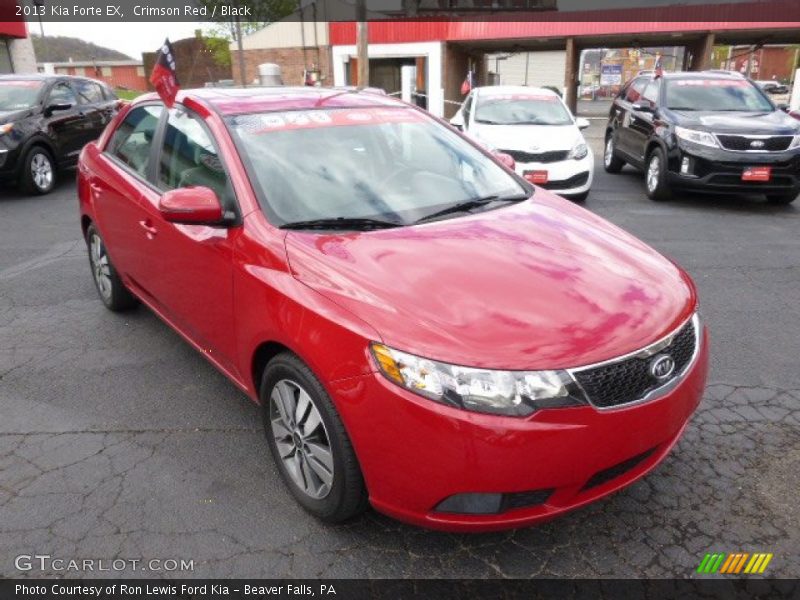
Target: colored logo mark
735 563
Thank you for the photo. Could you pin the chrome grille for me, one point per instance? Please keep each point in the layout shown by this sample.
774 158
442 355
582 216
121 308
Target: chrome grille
628 380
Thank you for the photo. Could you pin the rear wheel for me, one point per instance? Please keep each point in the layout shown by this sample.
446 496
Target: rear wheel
38 174
782 198
611 162
309 443
655 176
109 286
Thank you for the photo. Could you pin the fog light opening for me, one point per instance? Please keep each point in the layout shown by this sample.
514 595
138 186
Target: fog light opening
686 166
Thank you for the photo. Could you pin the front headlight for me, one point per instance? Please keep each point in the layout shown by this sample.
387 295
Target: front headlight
697 137
513 393
6 128
579 151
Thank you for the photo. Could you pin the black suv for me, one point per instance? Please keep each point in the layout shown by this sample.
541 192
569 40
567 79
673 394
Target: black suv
44 123
709 131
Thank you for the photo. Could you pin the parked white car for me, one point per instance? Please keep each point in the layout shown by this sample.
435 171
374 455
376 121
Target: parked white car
535 127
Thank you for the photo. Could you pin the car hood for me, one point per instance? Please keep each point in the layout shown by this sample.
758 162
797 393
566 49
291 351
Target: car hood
776 122
528 138
7 116
537 285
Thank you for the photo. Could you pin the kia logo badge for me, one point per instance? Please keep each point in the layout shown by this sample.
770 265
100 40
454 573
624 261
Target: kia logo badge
756 144
662 366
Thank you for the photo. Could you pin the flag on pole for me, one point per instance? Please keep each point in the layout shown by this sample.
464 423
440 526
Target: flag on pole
164 77
659 65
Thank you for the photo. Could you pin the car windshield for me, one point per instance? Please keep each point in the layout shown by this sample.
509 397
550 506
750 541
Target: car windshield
521 109
716 95
18 95
391 165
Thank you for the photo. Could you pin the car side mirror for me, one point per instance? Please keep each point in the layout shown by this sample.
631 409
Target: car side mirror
51 108
642 107
506 159
192 206
582 123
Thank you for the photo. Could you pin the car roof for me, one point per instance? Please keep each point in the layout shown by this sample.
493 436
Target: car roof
491 90
236 101
46 77
703 75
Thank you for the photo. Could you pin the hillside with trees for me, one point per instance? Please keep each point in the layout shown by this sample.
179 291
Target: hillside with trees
62 49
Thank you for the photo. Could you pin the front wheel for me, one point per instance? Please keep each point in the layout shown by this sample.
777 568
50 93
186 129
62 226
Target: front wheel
38 174
309 443
656 176
611 162
109 286
782 198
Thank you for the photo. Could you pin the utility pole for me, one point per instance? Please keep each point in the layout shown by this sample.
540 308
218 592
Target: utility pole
361 44
240 46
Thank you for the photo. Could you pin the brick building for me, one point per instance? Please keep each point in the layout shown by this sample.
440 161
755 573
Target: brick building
765 63
296 46
195 62
125 74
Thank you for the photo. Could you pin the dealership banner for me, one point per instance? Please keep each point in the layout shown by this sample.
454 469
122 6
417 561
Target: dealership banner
711 12
406 589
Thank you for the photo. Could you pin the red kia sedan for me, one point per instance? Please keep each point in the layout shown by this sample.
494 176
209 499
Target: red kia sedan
425 331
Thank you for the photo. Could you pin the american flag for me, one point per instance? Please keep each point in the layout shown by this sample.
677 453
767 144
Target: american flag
659 66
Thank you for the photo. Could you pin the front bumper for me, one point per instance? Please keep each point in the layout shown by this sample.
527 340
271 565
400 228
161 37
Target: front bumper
720 171
565 178
415 453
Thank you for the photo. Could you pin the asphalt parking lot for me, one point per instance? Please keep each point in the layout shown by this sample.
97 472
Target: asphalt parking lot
117 440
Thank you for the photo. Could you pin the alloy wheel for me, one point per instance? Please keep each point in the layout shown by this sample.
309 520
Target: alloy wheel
42 171
653 173
301 439
608 156
100 266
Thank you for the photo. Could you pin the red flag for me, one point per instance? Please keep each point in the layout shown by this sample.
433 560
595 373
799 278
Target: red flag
164 78
466 87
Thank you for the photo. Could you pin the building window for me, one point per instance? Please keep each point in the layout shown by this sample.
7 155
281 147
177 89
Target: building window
106 71
80 71
5 57
140 71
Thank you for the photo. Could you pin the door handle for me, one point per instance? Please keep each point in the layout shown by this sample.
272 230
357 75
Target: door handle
147 225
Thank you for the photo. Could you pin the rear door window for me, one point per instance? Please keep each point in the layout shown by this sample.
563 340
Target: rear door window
650 94
132 141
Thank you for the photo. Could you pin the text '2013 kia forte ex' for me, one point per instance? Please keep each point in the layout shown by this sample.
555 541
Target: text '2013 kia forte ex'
425 330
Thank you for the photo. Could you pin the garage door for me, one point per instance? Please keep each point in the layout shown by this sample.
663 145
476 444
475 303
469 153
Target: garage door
544 68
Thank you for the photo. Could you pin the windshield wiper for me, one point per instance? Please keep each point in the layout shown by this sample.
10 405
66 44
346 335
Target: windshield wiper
346 223
470 204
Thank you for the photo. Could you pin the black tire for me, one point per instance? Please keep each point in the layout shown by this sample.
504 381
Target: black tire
578 197
611 162
655 182
38 174
109 286
782 198
347 495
